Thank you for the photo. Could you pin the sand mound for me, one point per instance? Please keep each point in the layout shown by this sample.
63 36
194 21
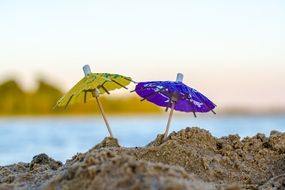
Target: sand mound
104 169
189 159
249 162
28 176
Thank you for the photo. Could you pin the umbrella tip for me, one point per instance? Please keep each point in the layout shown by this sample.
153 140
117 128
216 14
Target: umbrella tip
179 77
86 70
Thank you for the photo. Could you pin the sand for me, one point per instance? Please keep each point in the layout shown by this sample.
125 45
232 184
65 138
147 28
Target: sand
189 159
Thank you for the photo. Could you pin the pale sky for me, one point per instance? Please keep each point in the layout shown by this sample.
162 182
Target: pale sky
232 51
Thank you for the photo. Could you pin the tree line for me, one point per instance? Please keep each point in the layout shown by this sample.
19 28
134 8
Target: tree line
41 101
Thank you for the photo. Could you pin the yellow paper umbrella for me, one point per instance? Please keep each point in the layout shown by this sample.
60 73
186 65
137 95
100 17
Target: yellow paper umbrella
92 86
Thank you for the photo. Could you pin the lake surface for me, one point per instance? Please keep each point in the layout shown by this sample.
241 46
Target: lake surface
62 137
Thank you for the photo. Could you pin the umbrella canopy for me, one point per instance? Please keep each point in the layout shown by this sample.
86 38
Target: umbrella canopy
100 83
163 94
175 95
92 86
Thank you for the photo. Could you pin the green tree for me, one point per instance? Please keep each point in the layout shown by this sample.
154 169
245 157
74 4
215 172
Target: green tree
44 98
12 98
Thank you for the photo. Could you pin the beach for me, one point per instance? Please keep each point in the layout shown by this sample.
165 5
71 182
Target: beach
188 159
142 95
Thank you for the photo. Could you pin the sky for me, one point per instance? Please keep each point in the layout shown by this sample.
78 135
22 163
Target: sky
232 51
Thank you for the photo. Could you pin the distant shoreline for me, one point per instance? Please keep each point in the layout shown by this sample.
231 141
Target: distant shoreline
219 114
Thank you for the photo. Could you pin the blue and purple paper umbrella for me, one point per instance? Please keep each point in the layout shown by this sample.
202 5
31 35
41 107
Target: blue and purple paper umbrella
174 95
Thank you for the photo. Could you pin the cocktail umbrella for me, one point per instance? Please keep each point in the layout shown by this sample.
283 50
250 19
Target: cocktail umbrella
92 86
175 95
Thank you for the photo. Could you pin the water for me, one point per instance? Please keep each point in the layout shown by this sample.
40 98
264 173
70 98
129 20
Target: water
62 137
